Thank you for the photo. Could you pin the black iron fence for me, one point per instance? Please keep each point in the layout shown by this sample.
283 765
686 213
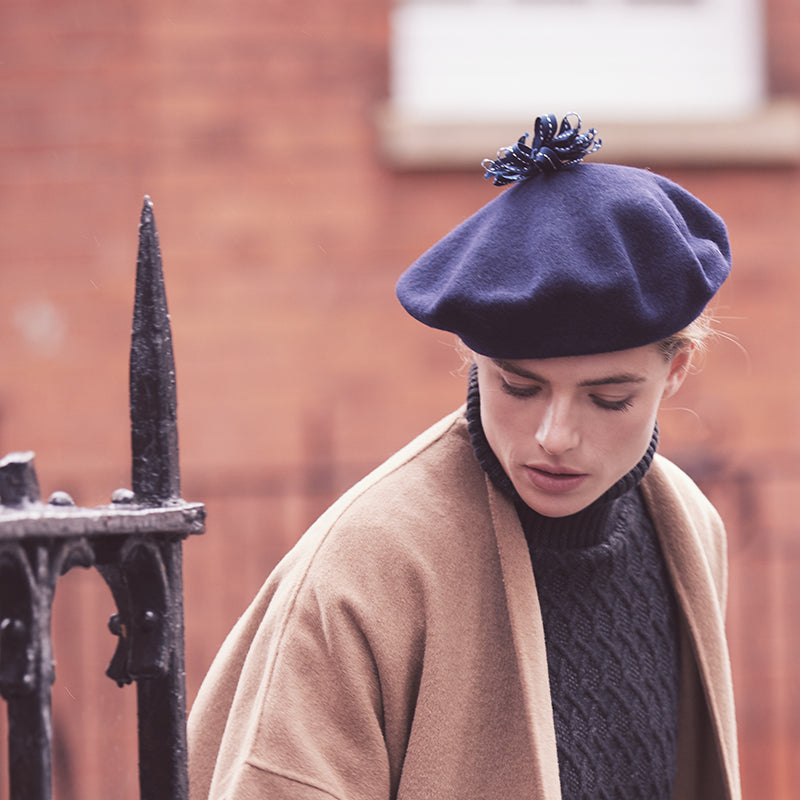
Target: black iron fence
135 543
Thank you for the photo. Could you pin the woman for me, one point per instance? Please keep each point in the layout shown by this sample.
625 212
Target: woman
526 601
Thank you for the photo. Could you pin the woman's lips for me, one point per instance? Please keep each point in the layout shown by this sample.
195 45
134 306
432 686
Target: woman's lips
554 479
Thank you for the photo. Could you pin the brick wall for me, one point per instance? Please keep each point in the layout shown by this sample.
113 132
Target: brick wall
250 125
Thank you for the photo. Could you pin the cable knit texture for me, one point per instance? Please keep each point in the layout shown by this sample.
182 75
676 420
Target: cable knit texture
611 633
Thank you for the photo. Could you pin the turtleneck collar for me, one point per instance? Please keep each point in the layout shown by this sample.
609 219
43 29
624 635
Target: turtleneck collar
589 526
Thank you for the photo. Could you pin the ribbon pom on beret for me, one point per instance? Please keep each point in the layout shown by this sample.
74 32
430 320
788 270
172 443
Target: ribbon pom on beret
586 259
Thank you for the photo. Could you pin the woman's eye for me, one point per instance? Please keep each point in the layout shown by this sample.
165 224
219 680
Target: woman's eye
613 405
520 391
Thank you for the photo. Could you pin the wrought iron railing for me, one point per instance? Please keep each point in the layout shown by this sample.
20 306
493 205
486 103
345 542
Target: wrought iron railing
135 543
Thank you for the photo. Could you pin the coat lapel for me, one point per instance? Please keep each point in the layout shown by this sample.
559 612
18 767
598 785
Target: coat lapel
528 635
689 531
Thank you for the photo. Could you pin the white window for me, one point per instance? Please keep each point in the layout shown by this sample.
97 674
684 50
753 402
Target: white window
460 64
657 58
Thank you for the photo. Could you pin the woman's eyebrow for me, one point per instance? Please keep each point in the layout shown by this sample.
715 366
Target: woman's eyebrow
622 377
510 366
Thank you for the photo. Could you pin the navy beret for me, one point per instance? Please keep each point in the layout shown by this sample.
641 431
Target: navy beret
590 259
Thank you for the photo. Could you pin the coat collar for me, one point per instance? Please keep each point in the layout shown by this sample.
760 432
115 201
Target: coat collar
692 539
528 631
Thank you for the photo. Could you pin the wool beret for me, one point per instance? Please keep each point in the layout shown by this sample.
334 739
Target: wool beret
590 259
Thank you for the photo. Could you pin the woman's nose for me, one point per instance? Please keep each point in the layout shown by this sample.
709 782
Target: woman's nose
557 432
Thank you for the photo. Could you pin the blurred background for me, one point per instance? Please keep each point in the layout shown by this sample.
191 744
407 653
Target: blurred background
299 157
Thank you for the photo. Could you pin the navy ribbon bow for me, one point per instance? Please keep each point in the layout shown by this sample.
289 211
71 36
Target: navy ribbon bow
552 149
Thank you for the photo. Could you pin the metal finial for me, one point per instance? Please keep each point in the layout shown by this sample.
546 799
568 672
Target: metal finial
153 400
18 483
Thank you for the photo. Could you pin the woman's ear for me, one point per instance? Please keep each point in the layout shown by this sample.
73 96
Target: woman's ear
678 370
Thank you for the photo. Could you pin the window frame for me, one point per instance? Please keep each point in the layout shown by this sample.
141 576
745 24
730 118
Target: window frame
440 90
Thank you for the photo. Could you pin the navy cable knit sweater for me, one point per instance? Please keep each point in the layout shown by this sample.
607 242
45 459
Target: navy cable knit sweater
611 634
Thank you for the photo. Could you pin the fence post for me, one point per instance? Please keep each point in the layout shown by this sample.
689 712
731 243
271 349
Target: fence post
136 545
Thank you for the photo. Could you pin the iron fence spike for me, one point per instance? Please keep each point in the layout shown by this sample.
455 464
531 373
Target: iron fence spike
155 474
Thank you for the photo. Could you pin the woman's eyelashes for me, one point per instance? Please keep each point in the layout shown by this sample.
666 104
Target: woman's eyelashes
533 389
528 390
613 405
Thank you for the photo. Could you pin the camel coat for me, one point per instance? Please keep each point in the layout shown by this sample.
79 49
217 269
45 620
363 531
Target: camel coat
398 652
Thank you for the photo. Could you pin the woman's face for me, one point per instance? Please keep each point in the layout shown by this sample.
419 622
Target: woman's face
567 429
